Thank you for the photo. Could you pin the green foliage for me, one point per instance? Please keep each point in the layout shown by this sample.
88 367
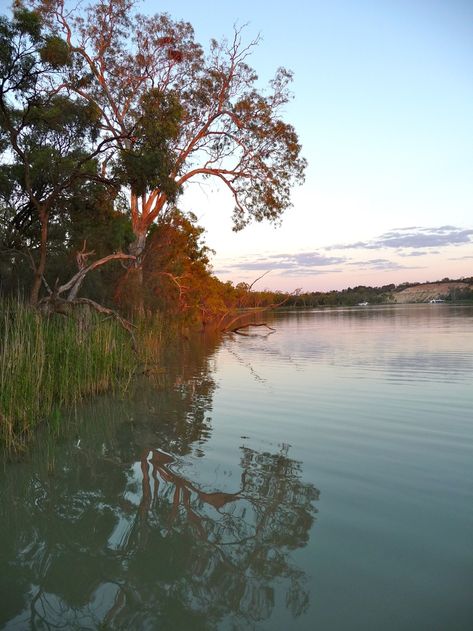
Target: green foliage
46 146
461 295
89 220
146 162
27 22
46 362
55 52
349 297
16 63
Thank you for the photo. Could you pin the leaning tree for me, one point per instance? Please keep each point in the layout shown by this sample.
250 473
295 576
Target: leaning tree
177 113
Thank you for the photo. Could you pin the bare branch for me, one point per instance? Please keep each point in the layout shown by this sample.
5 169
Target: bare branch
257 279
76 281
257 311
246 326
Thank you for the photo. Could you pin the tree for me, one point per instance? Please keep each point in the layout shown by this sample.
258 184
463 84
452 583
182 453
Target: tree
44 134
177 276
177 114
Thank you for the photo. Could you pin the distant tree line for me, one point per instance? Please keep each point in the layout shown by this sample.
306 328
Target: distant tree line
346 297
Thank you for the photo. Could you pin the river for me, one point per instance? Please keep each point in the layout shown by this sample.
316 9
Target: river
319 476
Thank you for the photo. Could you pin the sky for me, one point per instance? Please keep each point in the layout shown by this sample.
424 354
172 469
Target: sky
383 106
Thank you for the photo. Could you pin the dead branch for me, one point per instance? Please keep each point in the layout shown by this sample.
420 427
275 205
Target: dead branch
257 279
82 256
246 326
47 287
126 324
73 285
55 303
255 311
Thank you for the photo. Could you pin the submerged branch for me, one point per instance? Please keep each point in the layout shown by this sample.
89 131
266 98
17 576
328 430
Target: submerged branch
245 326
251 312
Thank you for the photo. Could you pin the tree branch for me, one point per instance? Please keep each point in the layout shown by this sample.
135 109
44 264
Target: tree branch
76 281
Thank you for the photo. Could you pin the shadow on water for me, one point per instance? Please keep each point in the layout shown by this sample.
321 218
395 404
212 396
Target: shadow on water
113 526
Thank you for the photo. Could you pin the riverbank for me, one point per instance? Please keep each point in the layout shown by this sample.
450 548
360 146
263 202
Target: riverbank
48 362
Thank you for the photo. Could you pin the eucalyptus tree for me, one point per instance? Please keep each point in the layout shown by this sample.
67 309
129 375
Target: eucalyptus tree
178 113
49 140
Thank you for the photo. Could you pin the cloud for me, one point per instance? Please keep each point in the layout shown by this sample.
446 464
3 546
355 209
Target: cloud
262 265
412 237
409 243
461 258
298 261
418 253
305 271
380 264
413 253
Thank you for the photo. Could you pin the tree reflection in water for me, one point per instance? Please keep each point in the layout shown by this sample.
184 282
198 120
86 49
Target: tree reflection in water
119 536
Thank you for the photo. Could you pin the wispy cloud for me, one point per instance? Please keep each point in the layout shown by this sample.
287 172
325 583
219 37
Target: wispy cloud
298 261
310 271
413 253
418 253
380 264
404 245
412 237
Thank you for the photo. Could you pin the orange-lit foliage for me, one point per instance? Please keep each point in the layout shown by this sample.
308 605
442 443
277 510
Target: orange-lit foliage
177 279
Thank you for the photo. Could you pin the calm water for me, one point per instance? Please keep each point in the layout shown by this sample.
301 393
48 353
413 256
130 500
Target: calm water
320 477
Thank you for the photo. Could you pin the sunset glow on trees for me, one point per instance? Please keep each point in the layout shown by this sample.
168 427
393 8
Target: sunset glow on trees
177 114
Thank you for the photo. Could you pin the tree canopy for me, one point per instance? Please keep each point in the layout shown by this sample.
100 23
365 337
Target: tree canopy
178 113
105 116
48 139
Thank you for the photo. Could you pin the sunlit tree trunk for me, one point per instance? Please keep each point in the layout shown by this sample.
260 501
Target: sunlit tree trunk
144 210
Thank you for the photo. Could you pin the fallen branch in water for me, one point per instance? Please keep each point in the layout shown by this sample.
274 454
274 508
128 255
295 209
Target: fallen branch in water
251 312
255 311
246 326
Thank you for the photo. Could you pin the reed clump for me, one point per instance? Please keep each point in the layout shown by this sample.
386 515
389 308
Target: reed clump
47 362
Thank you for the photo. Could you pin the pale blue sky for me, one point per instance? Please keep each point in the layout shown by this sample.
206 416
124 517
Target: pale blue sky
384 110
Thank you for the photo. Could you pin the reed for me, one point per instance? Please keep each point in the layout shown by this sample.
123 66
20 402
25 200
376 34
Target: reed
49 362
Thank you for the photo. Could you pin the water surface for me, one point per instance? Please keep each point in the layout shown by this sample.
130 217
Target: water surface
320 477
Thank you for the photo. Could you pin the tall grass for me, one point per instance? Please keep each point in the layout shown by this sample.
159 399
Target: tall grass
49 362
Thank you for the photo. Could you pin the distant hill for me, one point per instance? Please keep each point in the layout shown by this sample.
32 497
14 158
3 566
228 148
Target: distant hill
446 289
425 292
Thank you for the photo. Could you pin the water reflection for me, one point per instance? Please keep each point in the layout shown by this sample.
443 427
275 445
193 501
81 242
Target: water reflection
402 343
119 528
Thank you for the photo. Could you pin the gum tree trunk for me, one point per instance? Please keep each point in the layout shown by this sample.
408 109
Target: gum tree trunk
40 268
